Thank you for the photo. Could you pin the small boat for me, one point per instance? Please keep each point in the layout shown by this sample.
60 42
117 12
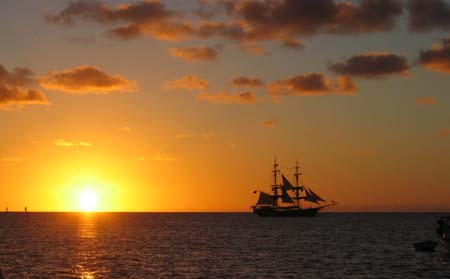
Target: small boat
443 231
425 246
282 204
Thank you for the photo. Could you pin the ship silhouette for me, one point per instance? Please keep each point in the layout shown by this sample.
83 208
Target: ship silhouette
281 204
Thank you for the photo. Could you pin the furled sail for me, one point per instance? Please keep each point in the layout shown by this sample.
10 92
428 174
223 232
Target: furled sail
311 196
265 199
285 196
286 184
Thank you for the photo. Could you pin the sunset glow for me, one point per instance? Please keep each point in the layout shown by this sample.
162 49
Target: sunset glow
88 200
132 105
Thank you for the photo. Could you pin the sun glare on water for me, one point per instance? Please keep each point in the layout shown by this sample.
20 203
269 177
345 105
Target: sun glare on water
87 201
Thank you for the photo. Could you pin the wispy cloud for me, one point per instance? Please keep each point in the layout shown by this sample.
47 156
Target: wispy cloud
163 157
268 123
244 98
206 135
124 129
192 54
426 101
247 81
12 159
67 143
202 135
184 136
444 133
187 82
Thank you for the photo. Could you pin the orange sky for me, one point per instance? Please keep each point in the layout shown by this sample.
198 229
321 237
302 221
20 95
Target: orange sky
183 105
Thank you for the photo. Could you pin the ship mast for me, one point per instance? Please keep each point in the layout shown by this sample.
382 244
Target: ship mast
275 185
297 188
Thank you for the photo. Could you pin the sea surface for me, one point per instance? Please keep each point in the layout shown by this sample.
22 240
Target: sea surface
218 245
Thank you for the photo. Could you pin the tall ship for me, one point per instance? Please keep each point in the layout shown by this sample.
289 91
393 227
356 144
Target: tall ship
284 201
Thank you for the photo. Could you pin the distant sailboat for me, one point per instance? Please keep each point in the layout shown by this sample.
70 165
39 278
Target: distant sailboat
269 204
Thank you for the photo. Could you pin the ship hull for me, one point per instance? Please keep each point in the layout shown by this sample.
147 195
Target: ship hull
285 212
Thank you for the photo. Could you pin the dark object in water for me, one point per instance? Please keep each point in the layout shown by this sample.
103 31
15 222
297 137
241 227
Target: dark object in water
425 246
443 231
281 204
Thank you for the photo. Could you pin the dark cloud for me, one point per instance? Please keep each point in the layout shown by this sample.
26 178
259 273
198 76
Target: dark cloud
141 18
86 80
13 91
244 21
247 81
288 19
245 98
372 65
18 77
312 84
437 58
426 15
204 53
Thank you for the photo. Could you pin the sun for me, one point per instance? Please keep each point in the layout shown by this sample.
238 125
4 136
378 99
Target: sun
87 200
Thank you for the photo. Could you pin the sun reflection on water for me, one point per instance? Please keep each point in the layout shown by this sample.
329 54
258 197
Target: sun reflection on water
87 275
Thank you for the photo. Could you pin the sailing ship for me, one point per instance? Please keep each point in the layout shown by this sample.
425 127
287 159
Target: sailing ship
281 204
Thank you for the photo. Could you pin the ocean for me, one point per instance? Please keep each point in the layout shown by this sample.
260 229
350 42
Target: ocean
218 245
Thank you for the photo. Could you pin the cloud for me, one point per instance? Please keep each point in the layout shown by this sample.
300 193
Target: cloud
438 58
255 49
286 20
292 44
184 136
81 40
204 53
188 82
247 22
269 123
203 135
247 81
206 135
66 143
163 157
12 159
372 65
312 84
86 80
18 77
444 133
142 18
427 15
245 98
13 91
124 129
426 101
